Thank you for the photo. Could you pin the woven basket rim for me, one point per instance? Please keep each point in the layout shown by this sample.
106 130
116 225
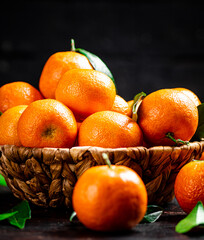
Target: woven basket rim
191 144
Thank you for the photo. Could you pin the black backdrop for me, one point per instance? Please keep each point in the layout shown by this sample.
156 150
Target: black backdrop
146 44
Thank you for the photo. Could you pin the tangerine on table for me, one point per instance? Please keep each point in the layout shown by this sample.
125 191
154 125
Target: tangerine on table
109 129
8 125
109 199
17 93
167 111
56 66
121 106
47 123
190 94
85 92
189 185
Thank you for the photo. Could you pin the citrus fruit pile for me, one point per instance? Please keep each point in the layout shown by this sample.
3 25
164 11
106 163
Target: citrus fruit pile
77 105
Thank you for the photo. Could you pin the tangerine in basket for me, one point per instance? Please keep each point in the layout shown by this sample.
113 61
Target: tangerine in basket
121 106
190 94
189 185
109 198
85 92
17 93
47 123
109 129
56 66
130 103
166 115
8 125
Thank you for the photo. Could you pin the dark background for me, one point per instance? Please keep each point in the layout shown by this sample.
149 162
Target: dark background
146 44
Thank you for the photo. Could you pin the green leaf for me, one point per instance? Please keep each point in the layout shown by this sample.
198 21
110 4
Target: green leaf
23 212
200 129
95 61
2 181
4 216
137 101
1 113
73 215
194 219
152 214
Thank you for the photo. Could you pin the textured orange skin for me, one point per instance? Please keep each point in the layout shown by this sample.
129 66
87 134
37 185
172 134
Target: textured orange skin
130 103
110 199
189 185
164 111
8 125
85 92
190 94
47 123
56 66
109 129
17 93
121 106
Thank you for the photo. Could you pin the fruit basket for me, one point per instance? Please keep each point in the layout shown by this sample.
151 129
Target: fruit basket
46 176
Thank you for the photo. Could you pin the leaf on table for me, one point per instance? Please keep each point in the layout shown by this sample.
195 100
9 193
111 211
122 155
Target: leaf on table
152 214
2 181
73 215
200 129
4 216
23 212
194 219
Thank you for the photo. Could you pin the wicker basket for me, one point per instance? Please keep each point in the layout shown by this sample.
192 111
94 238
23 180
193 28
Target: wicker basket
46 176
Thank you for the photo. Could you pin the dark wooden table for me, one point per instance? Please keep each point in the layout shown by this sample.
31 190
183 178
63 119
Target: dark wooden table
53 224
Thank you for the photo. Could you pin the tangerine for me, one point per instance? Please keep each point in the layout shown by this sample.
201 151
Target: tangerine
190 94
56 66
130 103
109 129
189 185
85 92
167 113
8 125
121 106
110 198
47 123
17 93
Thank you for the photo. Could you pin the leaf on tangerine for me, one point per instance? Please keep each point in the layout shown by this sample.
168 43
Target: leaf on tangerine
137 101
95 61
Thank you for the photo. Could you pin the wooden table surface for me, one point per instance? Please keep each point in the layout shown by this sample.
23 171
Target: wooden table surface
53 224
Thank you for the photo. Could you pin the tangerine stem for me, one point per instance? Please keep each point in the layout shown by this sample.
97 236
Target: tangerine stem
177 141
106 158
73 49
